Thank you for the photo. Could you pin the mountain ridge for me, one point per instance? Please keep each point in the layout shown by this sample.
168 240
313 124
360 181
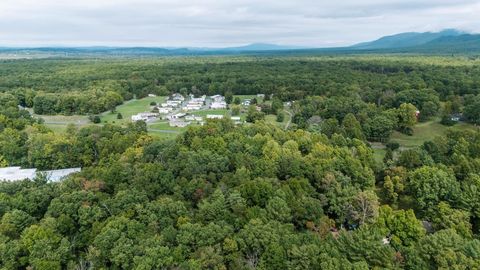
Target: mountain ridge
407 39
443 42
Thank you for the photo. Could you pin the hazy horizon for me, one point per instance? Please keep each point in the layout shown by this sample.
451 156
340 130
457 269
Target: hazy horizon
216 24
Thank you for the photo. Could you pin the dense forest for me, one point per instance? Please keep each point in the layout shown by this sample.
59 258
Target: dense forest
253 196
83 86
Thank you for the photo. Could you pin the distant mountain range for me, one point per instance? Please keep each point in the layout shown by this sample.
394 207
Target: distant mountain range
409 39
254 47
145 51
448 41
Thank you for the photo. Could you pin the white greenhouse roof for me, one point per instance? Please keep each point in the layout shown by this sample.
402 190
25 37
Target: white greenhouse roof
17 173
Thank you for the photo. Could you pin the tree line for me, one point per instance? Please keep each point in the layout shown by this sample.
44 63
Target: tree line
80 85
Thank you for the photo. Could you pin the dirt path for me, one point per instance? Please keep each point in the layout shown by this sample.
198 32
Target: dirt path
289 120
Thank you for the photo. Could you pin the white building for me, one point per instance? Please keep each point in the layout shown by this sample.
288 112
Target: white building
177 97
217 98
192 107
218 105
194 104
144 117
175 123
236 120
18 174
165 110
177 116
214 116
171 103
152 95
58 175
193 118
198 100
247 102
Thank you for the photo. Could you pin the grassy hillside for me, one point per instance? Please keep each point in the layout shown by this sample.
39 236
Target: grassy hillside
427 131
422 132
130 108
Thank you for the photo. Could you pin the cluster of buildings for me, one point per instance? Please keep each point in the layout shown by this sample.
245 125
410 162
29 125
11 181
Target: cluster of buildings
235 119
195 104
180 110
218 102
183 120
18 174
247 102
177 103
146 117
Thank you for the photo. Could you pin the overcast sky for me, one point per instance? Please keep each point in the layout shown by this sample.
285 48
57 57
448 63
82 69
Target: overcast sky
216 23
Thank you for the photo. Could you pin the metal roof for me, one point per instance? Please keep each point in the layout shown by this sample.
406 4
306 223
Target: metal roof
17 173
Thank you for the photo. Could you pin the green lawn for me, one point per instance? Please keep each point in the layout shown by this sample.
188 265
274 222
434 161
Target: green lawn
243 97
165 126
162 135
130 108
423 132
272 119
74 119
379 154
59 123
216 111
60 128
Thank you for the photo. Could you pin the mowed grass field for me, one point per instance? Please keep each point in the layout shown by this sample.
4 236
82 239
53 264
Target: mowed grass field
162 135
211 111
130 108
59 123
164 126
244 97
422 132
426 131
272 119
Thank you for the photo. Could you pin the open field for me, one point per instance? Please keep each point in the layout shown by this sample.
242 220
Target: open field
379 154
244 97
162 135
130 108
59 123
211 111
425 131
272 119
57 128
79 120
164 126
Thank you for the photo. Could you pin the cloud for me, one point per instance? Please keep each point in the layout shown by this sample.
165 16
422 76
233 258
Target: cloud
222 22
